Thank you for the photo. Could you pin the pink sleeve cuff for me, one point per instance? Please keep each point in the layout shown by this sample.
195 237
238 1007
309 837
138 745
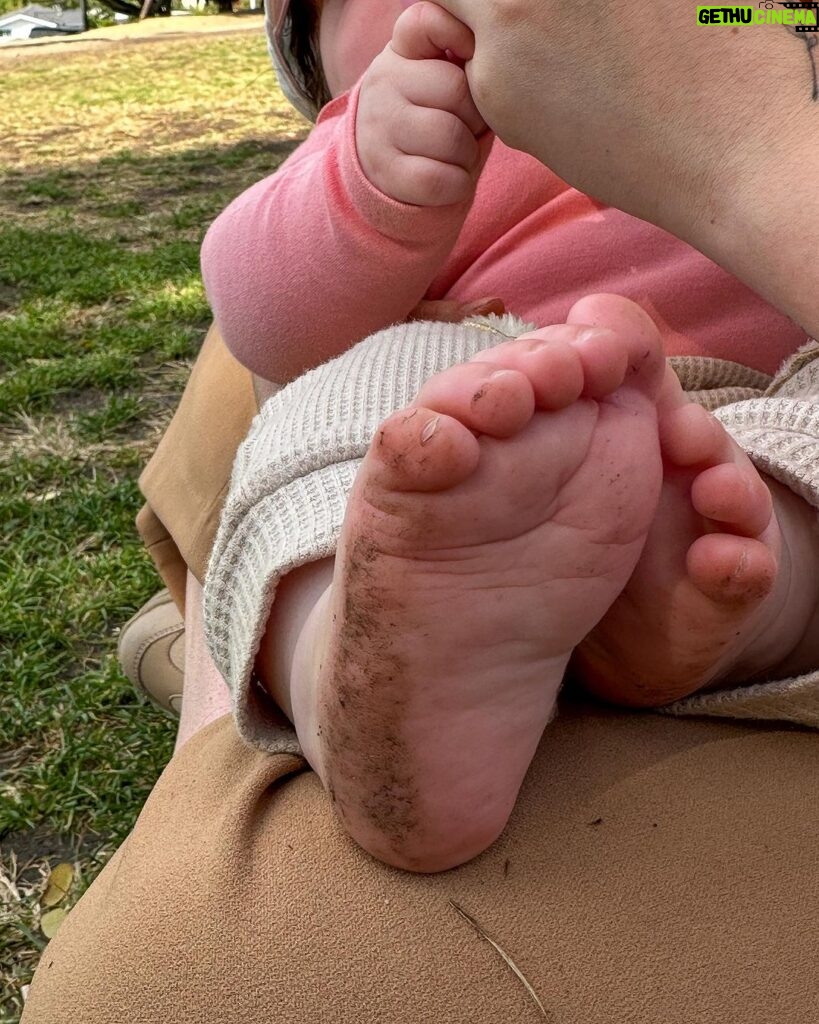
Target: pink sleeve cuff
402 222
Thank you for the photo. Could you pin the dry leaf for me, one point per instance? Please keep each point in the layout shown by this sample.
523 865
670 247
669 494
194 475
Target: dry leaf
59 882
50 922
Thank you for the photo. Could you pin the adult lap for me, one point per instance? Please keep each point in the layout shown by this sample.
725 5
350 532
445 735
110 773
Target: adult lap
654 870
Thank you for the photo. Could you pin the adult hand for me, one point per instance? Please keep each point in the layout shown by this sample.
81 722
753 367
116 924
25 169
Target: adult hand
709 131
633 103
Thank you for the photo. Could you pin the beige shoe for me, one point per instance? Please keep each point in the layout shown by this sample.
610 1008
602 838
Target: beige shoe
151 652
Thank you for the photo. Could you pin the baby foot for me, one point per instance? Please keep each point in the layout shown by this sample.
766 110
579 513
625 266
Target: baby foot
491 525
705 604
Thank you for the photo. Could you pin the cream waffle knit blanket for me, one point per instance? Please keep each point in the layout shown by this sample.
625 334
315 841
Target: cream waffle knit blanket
295 469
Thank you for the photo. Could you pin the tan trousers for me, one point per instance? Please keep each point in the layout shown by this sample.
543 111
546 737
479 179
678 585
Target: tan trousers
654 871
186 480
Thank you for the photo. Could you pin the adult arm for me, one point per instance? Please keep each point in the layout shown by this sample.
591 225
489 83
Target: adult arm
709 131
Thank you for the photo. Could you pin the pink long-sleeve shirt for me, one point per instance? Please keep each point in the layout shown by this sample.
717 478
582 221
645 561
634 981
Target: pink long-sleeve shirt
314 258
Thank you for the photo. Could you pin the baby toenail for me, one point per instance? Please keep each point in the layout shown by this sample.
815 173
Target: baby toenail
593 333
429 430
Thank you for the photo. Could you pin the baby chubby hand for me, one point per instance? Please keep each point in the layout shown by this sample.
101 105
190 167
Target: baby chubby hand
419 136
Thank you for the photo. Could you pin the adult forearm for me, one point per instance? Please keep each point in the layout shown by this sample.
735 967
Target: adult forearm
767 234
711 132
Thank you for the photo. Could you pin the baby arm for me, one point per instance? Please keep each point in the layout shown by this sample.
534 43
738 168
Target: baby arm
350 231
419 136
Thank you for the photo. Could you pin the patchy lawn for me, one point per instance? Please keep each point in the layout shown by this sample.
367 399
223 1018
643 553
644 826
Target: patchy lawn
113 164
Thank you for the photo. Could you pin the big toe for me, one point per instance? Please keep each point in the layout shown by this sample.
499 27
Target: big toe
638 339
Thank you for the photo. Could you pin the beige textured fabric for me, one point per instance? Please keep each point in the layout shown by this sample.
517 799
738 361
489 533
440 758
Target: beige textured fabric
654 871
716 382
293 473
290 483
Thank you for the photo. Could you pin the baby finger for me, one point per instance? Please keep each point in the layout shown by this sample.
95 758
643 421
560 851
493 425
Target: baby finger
441 136
421 181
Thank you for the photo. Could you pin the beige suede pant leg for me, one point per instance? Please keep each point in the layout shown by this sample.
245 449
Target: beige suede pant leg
654 871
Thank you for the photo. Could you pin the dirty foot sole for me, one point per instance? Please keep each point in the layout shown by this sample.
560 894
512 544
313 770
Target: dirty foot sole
491 526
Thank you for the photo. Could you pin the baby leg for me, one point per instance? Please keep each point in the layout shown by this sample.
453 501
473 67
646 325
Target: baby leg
206 694
491 525
727 588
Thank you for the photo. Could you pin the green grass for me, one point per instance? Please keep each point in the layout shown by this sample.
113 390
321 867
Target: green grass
101 311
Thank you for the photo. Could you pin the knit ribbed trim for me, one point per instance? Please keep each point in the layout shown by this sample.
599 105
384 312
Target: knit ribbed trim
704 373
785 700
